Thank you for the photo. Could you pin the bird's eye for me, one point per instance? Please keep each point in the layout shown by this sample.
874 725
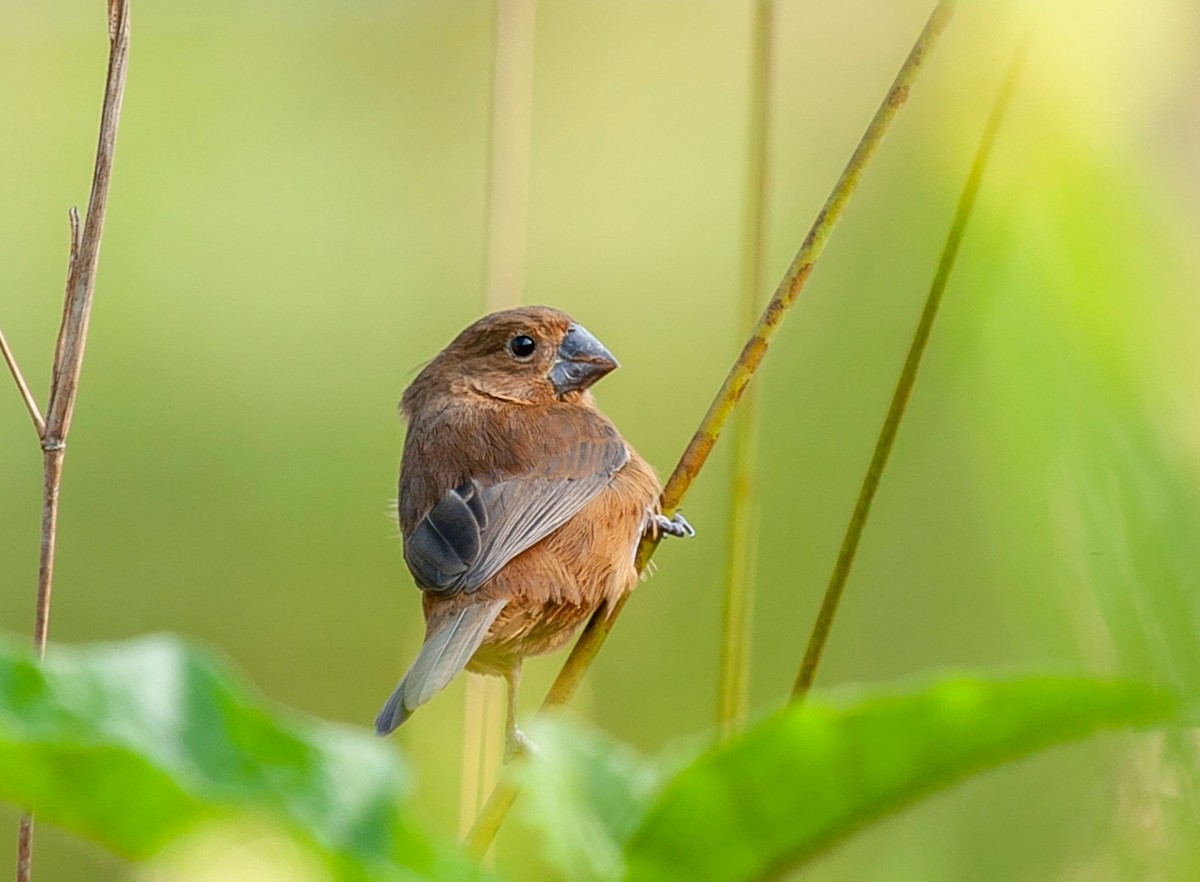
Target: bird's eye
522 346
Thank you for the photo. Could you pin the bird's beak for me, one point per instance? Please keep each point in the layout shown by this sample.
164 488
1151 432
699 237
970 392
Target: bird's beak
580 361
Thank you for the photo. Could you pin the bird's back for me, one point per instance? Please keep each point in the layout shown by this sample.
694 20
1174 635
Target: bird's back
553 586
556 585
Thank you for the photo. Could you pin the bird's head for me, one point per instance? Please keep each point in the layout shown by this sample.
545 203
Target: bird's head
529 355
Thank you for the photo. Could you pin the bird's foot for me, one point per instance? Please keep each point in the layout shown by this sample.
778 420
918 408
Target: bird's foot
518 745
676 525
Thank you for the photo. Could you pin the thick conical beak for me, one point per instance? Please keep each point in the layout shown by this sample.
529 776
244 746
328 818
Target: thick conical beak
581 360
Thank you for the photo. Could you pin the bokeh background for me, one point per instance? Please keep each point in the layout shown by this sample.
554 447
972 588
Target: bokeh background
297 222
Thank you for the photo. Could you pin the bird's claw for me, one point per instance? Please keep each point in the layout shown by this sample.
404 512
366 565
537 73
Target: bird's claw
518 745
676 525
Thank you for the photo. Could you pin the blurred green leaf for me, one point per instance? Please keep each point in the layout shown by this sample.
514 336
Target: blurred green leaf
586 793
1081 350
134 744
1088 393
812 774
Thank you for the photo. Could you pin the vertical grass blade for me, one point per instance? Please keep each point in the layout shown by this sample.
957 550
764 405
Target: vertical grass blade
504 287
738 603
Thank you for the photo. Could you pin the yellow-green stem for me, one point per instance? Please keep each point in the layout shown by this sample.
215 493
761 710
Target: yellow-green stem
738 602
481 746
904 386
508 172
594 634
504 282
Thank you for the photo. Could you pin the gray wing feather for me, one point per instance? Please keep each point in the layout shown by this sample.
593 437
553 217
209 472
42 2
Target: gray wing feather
475 529
525 511
444 545
442 656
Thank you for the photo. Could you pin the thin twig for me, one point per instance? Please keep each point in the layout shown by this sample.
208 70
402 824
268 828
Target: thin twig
597 629
78 306
904 386
69 348
738 602
39 424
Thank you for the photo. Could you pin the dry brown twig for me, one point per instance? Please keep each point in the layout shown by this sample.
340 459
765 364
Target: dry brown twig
68 351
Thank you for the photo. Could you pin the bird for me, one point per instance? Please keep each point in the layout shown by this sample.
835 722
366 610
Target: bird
520 505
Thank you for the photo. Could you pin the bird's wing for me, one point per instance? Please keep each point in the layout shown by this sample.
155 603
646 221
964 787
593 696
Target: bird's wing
474 529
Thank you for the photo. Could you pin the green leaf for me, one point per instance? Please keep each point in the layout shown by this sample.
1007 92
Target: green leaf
812 774
585 793
134 744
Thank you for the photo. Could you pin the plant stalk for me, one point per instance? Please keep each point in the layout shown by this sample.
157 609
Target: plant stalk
594 634
904 386
738 602
39 424
69 349
504 283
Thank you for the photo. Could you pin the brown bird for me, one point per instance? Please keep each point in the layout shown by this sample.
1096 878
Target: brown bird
521 506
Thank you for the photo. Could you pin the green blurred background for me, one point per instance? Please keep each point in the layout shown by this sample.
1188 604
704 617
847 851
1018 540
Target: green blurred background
297 222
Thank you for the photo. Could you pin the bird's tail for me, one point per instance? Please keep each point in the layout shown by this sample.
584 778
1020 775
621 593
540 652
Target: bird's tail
445 652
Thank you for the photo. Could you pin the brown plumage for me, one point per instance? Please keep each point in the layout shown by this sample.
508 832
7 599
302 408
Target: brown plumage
520 504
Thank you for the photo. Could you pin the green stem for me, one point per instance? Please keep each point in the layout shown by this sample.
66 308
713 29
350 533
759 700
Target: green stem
508 168
904 386
507 209
694 457
738 603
